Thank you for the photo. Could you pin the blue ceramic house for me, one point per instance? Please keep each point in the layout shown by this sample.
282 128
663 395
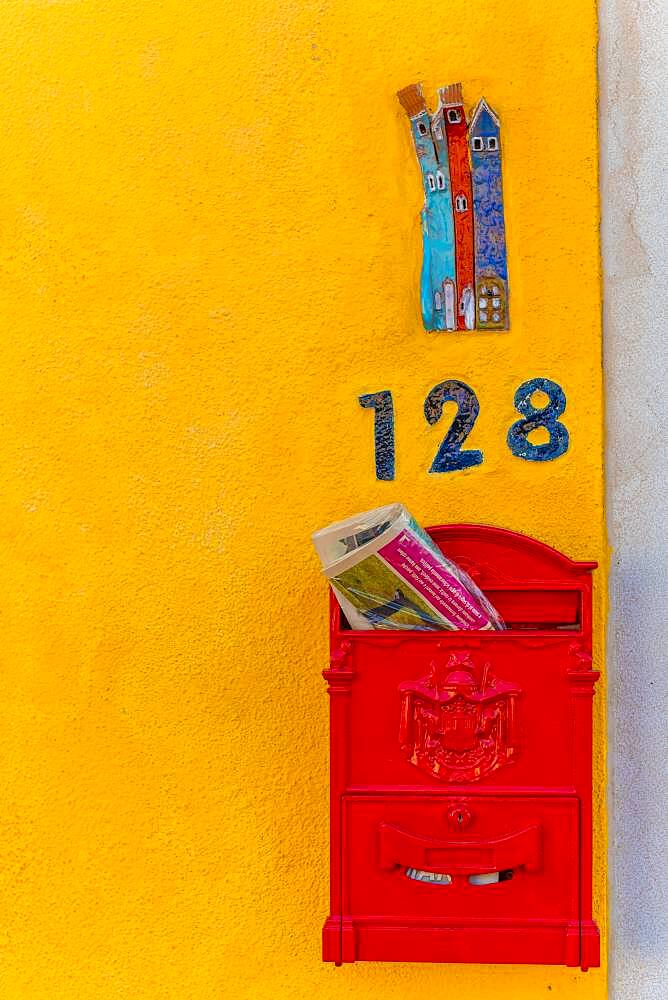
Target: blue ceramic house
491 267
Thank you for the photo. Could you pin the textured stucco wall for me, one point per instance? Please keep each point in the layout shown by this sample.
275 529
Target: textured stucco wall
210 247
634 167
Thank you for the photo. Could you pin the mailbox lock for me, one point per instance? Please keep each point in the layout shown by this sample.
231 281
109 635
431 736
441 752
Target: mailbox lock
459 817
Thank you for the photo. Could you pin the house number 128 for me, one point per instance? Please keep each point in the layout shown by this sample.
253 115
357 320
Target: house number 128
451 456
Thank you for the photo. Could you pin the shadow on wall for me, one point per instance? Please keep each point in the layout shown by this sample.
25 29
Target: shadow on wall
632 58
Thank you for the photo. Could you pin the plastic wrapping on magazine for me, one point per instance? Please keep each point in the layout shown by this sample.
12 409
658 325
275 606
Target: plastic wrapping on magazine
387 573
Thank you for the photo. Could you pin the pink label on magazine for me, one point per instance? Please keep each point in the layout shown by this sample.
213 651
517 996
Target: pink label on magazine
421 568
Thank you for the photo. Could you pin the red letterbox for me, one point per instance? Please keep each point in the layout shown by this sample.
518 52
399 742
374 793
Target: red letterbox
461 770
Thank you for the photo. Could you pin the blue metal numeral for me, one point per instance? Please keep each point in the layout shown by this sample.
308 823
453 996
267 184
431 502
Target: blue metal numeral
535 417
383 430
449 456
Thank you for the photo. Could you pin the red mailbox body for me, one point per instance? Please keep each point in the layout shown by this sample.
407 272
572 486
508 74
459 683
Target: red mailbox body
461 795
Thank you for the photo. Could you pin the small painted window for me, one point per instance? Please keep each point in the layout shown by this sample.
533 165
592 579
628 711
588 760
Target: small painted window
496 303
440 180
482 303
496 317
454 116
493 290
422 128
431 182
438 301
492 142
483 317
461 204
438 134
478 143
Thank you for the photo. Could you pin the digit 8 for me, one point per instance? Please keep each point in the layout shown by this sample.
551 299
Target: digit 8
534 417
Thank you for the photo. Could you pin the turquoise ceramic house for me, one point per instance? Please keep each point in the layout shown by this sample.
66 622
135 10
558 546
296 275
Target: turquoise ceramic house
438 283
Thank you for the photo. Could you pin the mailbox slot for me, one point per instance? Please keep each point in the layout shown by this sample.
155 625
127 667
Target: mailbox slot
521 610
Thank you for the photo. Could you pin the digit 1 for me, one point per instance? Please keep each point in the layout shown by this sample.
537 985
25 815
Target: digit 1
534 417
383 430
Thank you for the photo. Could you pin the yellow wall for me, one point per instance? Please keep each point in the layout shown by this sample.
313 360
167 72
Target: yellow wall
209 249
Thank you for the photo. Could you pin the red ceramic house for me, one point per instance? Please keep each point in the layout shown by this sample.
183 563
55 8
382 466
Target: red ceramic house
462 201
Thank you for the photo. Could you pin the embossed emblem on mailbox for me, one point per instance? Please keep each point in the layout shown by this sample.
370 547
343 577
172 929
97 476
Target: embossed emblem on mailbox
458 722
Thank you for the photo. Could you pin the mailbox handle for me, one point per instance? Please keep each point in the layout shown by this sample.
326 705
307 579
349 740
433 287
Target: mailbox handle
460 857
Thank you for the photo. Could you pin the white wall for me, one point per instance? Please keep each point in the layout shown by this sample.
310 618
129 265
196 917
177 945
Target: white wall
634 184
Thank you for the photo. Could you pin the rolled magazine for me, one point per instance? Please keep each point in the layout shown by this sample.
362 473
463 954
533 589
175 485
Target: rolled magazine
387 573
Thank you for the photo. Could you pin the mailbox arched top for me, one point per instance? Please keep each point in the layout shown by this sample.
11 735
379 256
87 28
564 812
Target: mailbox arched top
499 556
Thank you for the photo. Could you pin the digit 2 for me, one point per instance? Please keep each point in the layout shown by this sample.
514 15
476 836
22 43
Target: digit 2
450 456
